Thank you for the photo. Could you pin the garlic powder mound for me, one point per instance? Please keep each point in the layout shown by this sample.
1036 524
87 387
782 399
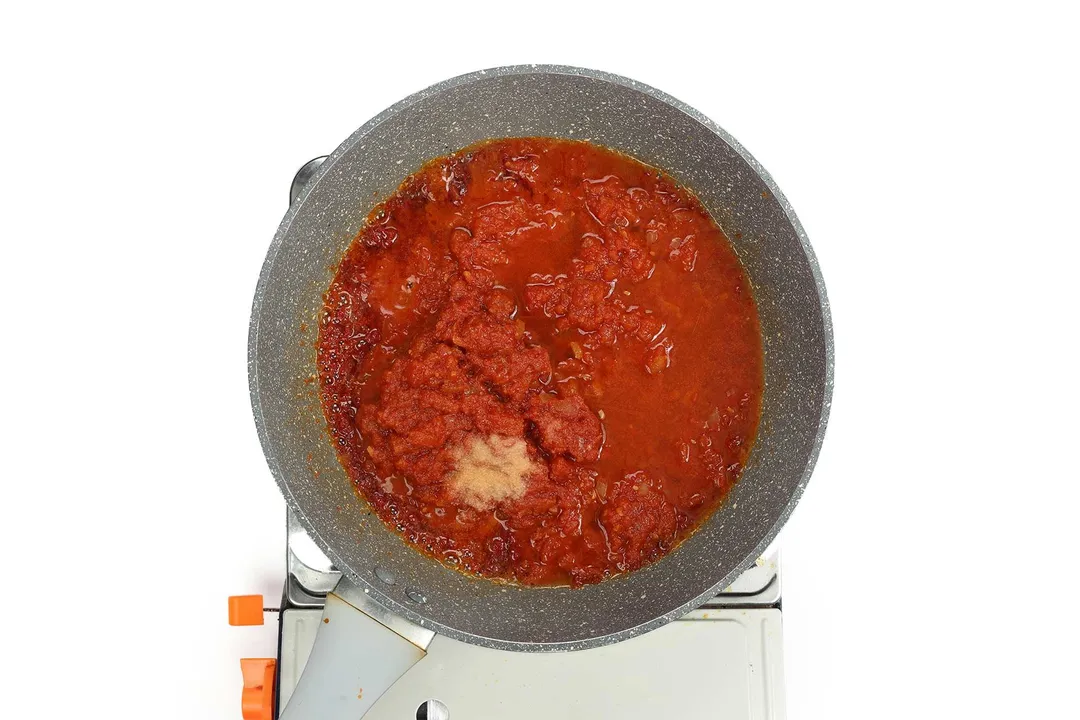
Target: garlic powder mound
490 470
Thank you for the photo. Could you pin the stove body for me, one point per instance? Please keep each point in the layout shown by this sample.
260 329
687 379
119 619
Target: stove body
723 660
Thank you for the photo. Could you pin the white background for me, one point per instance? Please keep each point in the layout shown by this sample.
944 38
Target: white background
930 150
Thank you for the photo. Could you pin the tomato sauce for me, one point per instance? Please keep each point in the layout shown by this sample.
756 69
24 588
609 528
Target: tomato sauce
556 302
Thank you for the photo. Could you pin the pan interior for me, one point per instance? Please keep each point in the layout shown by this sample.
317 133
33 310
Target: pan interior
555 102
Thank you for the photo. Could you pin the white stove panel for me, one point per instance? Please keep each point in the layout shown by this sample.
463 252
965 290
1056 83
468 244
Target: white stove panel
717 663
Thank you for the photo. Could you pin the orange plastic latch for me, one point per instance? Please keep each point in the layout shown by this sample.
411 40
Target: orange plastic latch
245 609
257 698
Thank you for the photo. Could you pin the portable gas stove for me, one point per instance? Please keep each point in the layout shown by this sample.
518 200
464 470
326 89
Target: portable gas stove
723 660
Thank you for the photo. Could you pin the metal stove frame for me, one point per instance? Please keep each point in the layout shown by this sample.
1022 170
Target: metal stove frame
310 576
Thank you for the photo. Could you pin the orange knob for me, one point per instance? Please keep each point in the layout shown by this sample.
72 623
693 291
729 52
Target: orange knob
245 609
257 698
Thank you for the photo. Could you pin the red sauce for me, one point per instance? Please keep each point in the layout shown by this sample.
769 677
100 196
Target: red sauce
558 293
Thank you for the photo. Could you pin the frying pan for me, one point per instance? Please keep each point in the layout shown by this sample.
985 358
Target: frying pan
563 102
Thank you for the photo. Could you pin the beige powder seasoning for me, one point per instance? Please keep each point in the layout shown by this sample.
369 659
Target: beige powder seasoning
490 470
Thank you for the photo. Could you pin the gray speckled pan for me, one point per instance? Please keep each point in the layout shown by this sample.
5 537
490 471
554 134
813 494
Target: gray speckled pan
559 102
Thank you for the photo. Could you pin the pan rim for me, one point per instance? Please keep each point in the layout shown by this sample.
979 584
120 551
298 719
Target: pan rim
279 476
